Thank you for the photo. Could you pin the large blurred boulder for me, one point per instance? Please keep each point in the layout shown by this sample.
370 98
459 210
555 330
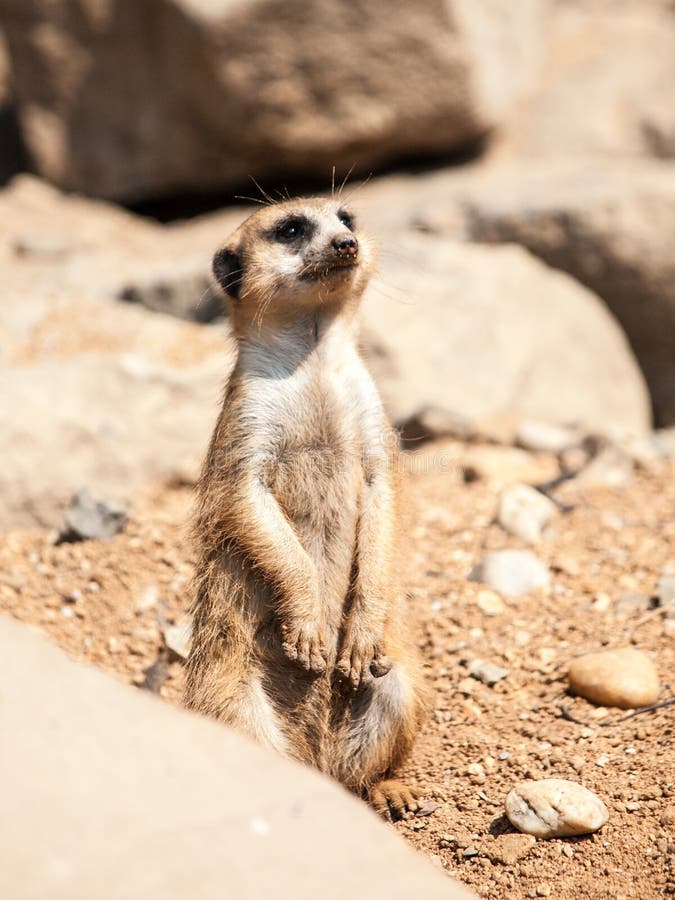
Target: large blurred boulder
613 228
101 395
607 84
50 241
113 794
477 330
133 100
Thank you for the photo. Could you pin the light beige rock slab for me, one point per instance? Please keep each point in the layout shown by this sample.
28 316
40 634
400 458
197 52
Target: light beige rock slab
114 795
481 330
101 395
619 58
611 227
626 678
554 807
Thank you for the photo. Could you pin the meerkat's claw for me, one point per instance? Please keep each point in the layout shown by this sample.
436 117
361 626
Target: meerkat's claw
363 658
394 800
305 646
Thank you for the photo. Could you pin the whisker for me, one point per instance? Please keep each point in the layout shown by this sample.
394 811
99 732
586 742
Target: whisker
264 193
251 199
345 180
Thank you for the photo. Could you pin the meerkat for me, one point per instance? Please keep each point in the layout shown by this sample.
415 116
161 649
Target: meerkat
300 635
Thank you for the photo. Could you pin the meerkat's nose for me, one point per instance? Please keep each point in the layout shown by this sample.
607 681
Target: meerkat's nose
346 246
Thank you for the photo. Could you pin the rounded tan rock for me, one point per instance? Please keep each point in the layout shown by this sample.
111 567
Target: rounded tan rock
554 807
624 678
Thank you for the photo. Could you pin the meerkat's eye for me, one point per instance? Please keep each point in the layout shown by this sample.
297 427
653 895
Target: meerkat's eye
292 229
346 218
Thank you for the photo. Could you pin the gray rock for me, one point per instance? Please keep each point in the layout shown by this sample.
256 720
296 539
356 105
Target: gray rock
180 288
512 572
525 512
631 602
223 95
665 590
91 518
178 637
554 807
487 672
612 467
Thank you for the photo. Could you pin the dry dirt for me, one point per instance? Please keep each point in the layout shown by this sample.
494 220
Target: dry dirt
107 602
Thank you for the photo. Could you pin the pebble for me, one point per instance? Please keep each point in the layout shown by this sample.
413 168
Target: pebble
490 603
487 672
610 468
544 437
16 582
664 439
665 590
178 637
148 599
511 572
507 465
43 246
554 807
625 678
507 849
525 512
89 518
631 602
428 808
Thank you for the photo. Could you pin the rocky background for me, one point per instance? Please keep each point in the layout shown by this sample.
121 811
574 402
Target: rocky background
516 164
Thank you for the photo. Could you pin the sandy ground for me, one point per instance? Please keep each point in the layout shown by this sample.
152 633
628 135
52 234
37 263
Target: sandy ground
108 602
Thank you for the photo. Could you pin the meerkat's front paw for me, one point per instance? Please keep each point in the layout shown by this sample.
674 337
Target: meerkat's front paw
303 643
360 656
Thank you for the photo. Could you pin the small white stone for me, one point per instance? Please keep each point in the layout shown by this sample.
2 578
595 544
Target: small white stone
525 512
178 637
148 599
533 434
554 807
511 572
487 672
490 603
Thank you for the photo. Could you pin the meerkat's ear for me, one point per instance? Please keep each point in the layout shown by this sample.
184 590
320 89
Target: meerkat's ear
228 271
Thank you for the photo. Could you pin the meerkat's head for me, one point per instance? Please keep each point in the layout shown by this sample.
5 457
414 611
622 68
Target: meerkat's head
294 257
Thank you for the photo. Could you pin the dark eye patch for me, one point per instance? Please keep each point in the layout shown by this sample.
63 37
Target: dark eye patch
293 229
347 219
